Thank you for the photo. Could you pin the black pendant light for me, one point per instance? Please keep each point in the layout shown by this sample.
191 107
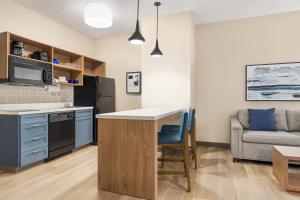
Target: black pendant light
156 51
137 37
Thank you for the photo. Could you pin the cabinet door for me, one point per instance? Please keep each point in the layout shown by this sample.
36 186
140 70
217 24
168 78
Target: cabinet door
83 131
35 118
34 155
33 138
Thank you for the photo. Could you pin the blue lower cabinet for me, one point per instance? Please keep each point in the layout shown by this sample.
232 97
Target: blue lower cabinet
33 138
34 155
83 131
23 140
34 135
84 113
35 118
28 144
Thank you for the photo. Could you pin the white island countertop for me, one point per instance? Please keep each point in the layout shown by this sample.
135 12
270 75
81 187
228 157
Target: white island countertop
141 114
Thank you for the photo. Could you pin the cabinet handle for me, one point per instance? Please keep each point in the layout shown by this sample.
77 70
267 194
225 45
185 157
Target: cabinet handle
35 152
36 138
36 125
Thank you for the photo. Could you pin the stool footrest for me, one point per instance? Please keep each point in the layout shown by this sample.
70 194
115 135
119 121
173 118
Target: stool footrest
171 160
171 173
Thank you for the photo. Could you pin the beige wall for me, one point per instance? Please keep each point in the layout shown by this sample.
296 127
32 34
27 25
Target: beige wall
171 73
20 20
120 57
222 51
166 80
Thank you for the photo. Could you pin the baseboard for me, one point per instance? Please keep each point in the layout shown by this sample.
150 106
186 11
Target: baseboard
213 144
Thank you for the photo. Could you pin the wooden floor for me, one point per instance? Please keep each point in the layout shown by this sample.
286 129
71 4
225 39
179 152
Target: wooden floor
74 177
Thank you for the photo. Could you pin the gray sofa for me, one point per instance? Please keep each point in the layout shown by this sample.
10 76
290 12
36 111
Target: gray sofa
257 145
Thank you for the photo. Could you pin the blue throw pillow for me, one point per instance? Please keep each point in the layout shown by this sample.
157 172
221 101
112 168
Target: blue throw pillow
262 120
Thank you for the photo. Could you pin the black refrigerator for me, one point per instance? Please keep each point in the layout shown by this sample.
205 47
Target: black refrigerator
98 92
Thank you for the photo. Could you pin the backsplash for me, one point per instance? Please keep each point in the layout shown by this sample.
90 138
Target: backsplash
10 94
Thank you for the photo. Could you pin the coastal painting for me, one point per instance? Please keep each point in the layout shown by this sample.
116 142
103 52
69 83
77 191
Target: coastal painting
273 82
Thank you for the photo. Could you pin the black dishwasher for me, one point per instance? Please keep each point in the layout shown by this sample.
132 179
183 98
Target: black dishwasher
61 132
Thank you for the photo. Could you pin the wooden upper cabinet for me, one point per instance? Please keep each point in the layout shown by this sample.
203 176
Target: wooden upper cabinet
94 67
30 46
73 66
70 65
4 52
68 59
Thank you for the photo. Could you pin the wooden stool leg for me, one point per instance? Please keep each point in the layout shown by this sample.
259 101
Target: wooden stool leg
162 156
186 164
194 144
185 167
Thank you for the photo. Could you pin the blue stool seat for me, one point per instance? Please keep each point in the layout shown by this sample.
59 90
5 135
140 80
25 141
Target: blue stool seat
172 137
169 138
170 128
175 128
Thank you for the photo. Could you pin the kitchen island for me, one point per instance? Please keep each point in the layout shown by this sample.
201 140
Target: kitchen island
127 158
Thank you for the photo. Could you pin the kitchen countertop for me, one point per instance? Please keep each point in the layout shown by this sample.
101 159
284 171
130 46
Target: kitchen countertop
28 109
141 114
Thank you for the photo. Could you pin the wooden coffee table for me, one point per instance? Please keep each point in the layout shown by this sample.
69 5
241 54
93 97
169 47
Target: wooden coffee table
281 155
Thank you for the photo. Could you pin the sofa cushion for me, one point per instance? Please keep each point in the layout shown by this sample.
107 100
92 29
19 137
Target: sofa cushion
296 133
293 118
276 137
262 119
243 117
280 119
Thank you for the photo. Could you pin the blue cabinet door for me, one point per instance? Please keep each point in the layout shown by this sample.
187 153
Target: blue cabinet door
83 131
34 155
33 138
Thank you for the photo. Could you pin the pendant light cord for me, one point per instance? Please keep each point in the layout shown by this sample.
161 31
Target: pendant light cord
156 22
138 9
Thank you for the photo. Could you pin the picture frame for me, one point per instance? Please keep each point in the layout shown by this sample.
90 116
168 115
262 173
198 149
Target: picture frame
273 82
134 82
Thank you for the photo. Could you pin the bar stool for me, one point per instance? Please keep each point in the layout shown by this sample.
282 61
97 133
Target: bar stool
177 139
192 132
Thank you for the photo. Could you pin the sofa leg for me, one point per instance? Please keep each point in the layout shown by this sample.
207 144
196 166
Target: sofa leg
235 160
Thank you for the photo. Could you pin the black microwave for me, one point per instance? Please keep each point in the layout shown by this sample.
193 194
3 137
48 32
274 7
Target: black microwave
29 72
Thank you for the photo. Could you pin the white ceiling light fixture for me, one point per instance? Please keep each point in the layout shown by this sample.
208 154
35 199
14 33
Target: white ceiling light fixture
98 15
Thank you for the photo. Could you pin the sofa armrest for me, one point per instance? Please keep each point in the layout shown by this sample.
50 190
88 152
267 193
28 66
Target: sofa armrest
236 131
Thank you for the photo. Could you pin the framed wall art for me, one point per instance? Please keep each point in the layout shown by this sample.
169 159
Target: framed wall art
273 82
134 82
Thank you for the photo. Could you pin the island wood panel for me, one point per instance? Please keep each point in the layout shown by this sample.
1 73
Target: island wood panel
128 157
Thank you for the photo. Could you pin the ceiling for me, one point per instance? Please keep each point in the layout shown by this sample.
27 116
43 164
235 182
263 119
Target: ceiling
70 12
